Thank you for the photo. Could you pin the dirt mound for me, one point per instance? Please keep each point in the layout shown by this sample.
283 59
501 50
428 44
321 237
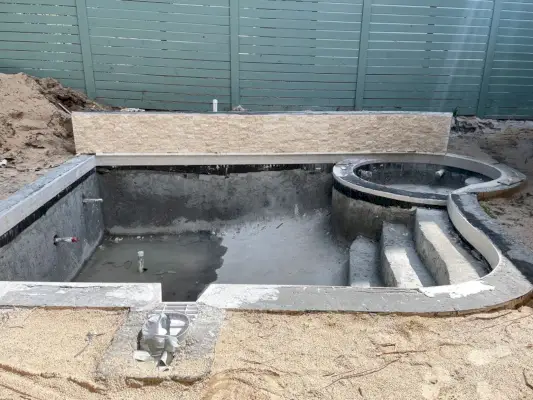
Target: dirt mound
35 126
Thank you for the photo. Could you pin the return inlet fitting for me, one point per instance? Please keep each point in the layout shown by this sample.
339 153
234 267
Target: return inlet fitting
69 239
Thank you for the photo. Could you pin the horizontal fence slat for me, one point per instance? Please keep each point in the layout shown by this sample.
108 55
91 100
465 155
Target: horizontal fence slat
160 62
162 71
156 7
516 42
298 33
39 37
39 56
158 25
409 62
38 19
421 54
353 7
71 3
423 71
149 96
346 94
429 20
297 60
170 80
277 108
41 47
249 49
159 44
429 29
6 27
162 105
298 101
453 80
429 46
37 9
510 89
425 87
461 110
442 104
431 11
160 53
423 37
199 38
353 26
470 4
297 15
264 67
58 65
309 43
515 72
43 73
261 84
430 95
153 16
297 77
108 87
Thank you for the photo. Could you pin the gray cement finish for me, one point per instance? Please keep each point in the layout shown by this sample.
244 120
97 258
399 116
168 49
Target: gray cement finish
170 202
442 251
32 255
400 264
284 250
364 263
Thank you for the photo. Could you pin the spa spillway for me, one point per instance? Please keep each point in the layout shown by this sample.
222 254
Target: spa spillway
379 233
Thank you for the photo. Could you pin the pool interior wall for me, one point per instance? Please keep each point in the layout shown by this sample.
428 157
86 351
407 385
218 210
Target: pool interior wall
255 224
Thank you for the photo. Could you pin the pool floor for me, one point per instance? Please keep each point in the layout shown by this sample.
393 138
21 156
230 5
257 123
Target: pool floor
296 250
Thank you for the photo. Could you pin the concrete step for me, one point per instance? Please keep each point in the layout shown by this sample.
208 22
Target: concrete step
443 251
400 264
364 263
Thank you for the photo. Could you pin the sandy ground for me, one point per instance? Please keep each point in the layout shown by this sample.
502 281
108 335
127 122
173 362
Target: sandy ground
509 142
275 356
35 127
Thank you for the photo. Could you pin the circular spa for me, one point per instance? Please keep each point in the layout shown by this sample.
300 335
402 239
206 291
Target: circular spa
394 209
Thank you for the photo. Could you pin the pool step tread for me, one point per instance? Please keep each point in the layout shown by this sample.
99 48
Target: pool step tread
400 264
443 251
364 263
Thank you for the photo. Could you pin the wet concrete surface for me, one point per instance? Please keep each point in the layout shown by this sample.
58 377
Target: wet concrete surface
298 249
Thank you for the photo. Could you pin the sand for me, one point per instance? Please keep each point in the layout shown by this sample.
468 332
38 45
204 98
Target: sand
35 127
509 142
277 356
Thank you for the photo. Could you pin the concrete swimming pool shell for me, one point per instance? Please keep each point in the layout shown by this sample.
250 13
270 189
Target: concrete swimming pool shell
376 233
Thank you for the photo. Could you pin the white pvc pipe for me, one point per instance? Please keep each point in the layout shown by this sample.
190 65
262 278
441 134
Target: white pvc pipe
215 105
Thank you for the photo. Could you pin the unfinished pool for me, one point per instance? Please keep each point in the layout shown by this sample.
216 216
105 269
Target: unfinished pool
379 232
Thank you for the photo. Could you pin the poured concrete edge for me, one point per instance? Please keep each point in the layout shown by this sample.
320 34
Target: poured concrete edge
36 194
137 296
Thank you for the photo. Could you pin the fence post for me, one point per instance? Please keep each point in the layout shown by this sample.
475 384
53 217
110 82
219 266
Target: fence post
234 52
361 61
489 58
83 26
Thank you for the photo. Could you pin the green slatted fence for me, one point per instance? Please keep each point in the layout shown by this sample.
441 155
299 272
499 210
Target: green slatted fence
473 56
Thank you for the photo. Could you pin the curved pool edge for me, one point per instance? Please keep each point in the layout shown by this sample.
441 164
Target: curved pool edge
503 177
509 284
